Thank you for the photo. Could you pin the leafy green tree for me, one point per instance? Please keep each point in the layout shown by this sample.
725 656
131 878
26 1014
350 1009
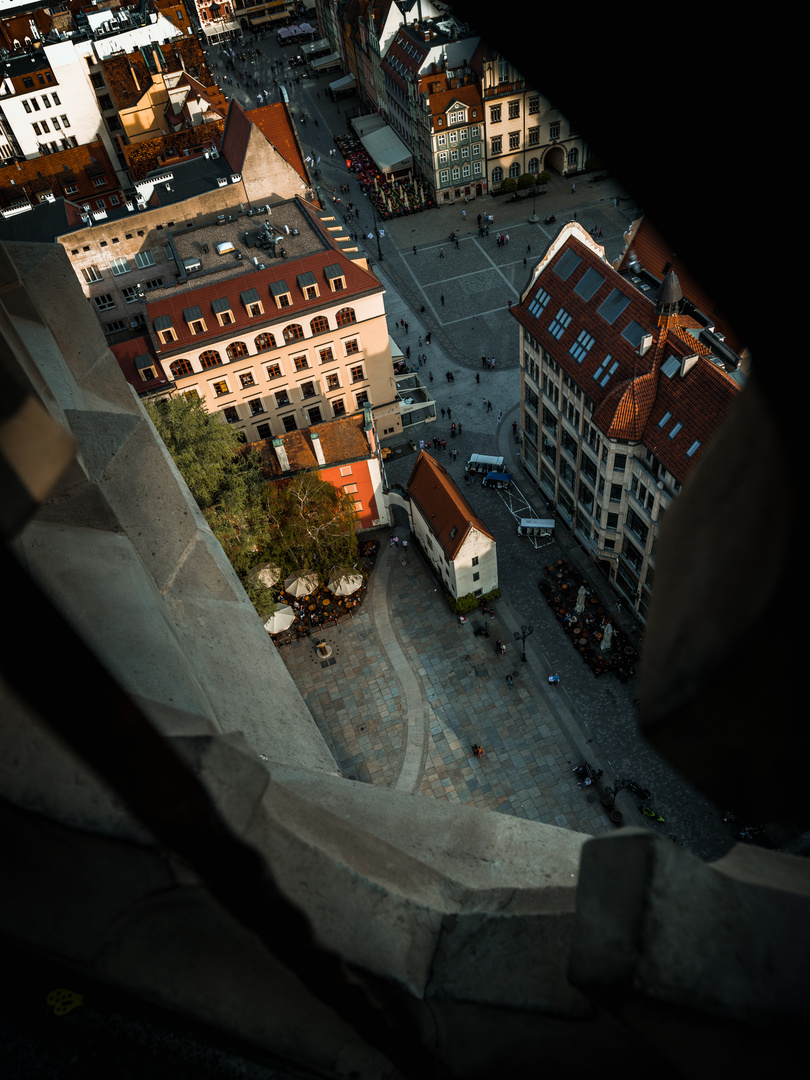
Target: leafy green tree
509 184
311 525
225 480
526 180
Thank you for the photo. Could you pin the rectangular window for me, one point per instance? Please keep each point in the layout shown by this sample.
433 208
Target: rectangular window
357 373
220 388
91 274
514 140
338 407
309 389
352 346
496 144
534 104
104 303
301 363
326 356
231 414
56 100
554 130
256 407
273 371
65 121
361 398
27 106
36 129
514 110
153 283
332 381
495 114
132 294
282 398
143 259
119 266
246 379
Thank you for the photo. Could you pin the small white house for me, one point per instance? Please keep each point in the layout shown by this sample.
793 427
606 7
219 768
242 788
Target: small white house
455 541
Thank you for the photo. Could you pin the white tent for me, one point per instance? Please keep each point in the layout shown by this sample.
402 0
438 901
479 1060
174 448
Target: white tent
281 619
387 150
346 82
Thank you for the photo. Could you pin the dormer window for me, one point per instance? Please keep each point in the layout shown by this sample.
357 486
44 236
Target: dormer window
221 307
194 320
308 285
335 276
145 366
164 329
253 305
280 292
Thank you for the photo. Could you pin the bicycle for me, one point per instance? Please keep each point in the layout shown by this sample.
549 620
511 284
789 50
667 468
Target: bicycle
650 813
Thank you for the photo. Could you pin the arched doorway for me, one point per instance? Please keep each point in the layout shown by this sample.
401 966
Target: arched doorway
554 160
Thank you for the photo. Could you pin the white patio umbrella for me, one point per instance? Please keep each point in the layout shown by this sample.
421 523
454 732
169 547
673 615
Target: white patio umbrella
300 584
281 619
607 637
344 584
580 600
267 574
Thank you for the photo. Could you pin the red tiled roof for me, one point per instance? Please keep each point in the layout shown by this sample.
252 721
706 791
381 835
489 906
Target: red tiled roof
126 353
655 254
442 504
359 282
630 401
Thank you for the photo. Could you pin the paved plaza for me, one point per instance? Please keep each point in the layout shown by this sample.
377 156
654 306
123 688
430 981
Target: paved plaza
408 688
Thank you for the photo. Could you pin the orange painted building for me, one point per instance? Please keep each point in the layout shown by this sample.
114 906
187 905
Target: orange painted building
344 452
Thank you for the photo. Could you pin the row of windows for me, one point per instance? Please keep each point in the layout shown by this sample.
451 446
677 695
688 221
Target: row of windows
454 136
222 387
32 105
237 349
231 413
292 332
42 128
464 171
143 259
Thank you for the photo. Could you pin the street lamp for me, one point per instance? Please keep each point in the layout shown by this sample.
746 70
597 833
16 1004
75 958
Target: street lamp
534 218
380 257
521 635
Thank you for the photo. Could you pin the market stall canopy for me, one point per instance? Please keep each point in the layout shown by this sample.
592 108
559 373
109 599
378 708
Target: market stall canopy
331 60
388 151
365 124
267 574
300 584
345 584
347 82
281 619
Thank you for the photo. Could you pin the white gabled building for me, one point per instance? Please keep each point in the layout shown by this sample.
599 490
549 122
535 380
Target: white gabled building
455 541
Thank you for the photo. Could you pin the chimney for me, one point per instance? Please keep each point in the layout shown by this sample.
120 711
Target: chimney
368 429
281 454
316 446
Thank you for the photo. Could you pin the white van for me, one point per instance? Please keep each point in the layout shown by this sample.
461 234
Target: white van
482 463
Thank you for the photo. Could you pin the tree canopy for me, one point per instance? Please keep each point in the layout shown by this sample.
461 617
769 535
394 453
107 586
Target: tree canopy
302 523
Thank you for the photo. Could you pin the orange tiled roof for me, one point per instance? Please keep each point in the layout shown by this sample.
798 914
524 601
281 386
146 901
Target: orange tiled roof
75 167
440 101
275 124
342 439
442 505
129 77
154 154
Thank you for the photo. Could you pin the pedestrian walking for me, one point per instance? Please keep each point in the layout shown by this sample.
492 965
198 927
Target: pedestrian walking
442 300
427 338
509 680
464 214
478 376
420 342
514 427
459 429
529 249
444 444
485 403
430 373
489 406
408 351
449 414
500 414
404 545
573 188
477 750
414 249
441 253
442 414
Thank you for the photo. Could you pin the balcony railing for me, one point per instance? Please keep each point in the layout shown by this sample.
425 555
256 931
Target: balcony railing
498 89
